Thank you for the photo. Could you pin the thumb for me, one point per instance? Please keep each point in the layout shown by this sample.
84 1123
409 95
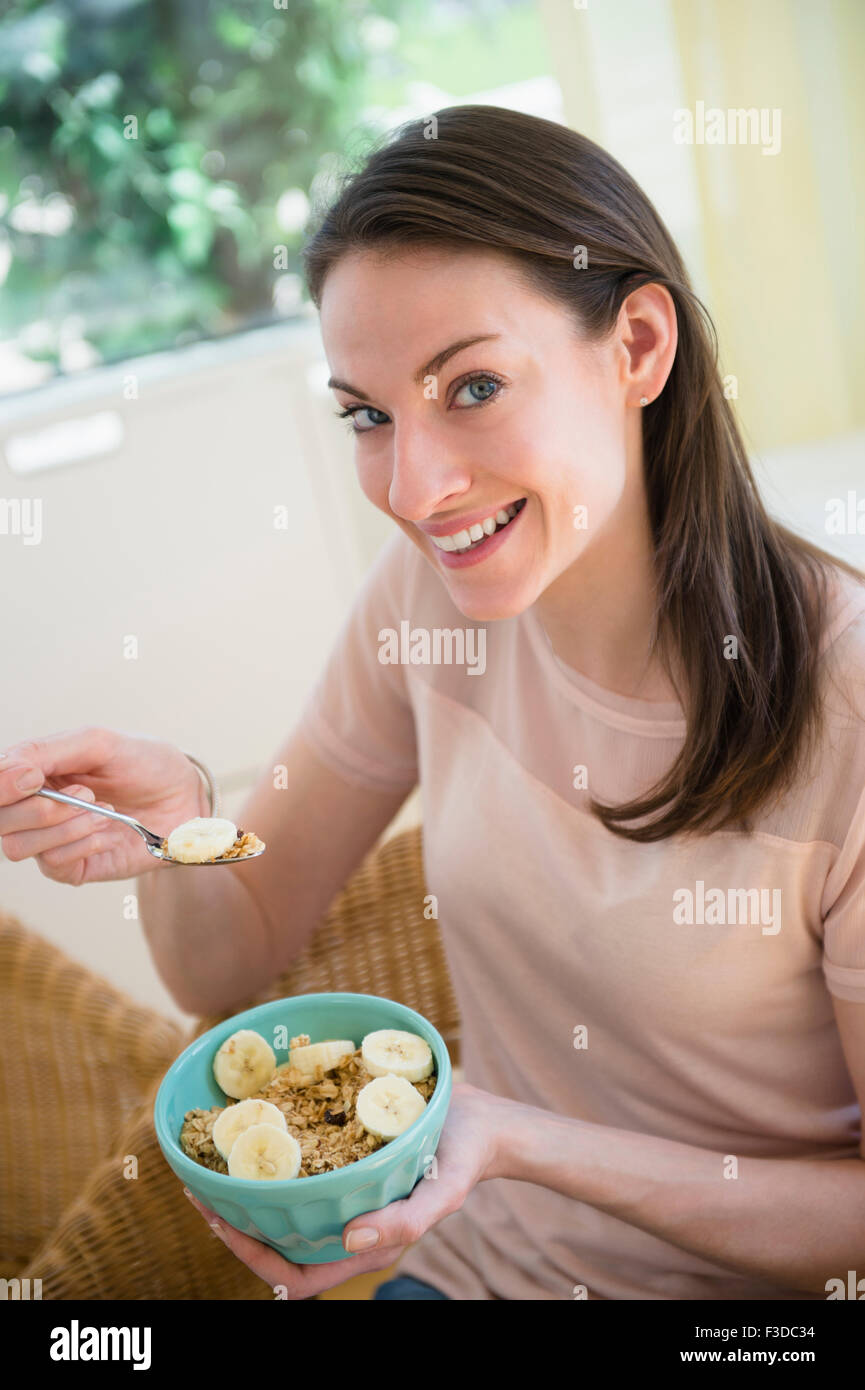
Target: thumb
403 1222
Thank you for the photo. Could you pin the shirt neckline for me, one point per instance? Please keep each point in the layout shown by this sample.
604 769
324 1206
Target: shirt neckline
650 718
664 718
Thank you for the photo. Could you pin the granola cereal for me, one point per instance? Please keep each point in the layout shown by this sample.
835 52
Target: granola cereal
320 1114
247 842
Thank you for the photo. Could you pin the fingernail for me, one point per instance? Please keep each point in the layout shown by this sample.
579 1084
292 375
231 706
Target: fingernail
187 1193
217 1230
30 779
363 1238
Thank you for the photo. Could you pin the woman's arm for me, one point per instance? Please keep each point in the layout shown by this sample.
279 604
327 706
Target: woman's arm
794 1222
218 938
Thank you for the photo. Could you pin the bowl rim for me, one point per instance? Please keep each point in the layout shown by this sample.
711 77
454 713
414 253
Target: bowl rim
314 1181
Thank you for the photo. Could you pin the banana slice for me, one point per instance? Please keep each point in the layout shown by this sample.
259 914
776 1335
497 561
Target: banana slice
324 1055
388 1105
262 1151
392 1052
201 839
244 1064
229 1126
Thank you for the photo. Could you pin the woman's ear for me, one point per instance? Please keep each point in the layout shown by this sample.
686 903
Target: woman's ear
648 334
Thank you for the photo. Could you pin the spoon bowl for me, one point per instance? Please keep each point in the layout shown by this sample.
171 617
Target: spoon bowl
152 841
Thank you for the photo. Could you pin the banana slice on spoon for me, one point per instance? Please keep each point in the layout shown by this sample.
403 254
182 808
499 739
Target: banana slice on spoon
196 841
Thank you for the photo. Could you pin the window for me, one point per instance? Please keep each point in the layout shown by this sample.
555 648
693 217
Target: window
157 162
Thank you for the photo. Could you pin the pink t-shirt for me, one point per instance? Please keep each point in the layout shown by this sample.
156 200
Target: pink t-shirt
640 986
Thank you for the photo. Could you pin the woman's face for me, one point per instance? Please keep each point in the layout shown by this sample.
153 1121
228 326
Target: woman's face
472 395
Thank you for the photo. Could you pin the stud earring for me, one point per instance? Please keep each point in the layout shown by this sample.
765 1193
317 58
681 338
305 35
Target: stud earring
644 400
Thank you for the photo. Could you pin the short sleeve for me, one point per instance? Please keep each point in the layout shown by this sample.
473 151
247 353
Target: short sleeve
359 719
844 924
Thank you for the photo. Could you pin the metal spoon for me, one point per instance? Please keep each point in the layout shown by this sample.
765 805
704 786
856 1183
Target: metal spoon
151 839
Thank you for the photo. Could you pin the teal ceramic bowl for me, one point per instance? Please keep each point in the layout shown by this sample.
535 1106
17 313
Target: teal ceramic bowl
303 1218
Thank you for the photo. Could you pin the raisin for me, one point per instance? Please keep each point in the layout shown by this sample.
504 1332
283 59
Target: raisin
335 1117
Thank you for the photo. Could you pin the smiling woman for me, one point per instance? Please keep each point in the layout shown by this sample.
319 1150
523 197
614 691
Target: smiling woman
535 399
582 317
671 693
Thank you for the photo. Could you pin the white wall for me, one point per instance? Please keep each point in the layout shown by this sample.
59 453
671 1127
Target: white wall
170 539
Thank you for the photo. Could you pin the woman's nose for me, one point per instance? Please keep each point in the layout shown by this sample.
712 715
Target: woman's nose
427 470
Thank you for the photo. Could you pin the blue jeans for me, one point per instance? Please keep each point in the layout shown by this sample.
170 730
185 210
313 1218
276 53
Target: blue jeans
404 1286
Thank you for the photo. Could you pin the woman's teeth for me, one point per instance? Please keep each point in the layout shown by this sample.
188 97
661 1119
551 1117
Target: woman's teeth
467 539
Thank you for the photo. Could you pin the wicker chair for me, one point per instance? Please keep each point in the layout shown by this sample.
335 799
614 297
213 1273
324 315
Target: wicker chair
88 1204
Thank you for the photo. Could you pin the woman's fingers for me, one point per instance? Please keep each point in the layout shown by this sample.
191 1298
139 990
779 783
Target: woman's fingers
13 771
61 856
289 1280
41 761
64 754
40 812
81 863
56 826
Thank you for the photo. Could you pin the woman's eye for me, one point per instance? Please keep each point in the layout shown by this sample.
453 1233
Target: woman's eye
356 413
477 391
481 389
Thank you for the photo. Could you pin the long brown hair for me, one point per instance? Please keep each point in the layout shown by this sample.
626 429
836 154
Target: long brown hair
538 191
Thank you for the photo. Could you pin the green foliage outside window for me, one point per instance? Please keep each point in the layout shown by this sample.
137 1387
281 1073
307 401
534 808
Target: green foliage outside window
155 153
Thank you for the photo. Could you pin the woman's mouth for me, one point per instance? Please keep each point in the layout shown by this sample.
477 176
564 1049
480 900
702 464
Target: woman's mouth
475 542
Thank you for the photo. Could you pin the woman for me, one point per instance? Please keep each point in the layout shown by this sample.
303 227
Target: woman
641 752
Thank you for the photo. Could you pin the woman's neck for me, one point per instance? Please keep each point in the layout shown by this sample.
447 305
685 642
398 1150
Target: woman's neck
600 614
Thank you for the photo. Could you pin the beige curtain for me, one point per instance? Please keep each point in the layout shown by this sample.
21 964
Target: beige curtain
777 251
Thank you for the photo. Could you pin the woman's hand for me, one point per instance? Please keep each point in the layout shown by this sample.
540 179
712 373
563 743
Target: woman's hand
468 1153
141 777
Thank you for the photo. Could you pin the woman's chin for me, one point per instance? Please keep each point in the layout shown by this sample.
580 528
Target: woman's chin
491 608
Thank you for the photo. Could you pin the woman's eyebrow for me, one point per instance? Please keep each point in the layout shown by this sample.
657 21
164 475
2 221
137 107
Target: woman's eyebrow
446 353
430 369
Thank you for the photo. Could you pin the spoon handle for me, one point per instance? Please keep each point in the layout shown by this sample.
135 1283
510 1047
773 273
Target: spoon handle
149 836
